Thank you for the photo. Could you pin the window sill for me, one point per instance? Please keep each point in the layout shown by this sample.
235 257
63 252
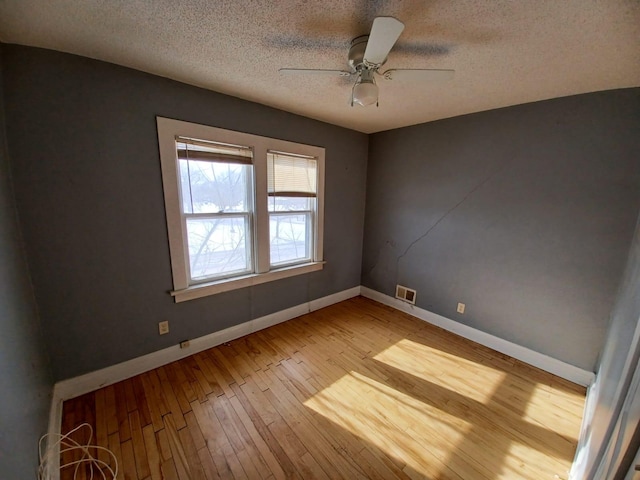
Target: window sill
212 288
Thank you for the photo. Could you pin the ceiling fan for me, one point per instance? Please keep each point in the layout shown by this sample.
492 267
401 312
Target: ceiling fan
366 55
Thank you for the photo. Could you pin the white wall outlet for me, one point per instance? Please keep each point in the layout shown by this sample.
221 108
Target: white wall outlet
163 327
461 307
184 344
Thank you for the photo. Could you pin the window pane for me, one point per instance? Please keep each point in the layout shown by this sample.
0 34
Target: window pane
218 247
290 238
214 187
288 204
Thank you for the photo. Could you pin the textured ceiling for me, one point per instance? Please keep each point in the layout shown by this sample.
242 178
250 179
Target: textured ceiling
505 52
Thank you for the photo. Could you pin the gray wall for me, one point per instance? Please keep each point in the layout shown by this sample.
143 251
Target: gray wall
25 378
525 214
83 145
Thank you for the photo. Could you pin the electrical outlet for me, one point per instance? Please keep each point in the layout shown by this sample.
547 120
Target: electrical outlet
461 307
184 344
163 327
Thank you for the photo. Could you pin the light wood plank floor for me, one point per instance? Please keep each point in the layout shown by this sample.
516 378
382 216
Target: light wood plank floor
356 390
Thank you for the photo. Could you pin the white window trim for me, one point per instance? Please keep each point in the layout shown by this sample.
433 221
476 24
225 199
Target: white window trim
168 130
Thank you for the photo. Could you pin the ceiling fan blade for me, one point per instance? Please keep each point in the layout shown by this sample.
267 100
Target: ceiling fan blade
418 74
315 71
384 34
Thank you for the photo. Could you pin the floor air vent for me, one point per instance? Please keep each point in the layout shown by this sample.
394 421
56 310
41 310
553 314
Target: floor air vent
406 294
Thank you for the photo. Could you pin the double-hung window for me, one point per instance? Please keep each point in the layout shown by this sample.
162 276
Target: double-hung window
217 204
241 209
292 190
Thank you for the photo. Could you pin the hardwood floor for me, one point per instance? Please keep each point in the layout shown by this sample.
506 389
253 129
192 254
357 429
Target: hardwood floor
356 390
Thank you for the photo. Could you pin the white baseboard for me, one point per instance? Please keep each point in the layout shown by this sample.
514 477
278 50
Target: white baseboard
89 382
544 362
335 298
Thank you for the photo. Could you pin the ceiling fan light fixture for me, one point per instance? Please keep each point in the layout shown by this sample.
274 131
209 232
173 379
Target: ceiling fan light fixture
365 93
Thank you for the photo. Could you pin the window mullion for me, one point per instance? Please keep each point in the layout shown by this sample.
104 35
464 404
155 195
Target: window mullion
262 212
318 217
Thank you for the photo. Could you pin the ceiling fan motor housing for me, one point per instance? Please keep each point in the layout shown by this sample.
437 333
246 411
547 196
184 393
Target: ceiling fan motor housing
356 52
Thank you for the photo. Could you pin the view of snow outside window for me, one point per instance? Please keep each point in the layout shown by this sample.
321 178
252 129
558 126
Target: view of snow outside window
216 201
292 190
290 229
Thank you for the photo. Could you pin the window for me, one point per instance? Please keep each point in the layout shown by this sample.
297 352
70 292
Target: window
241 209
292 190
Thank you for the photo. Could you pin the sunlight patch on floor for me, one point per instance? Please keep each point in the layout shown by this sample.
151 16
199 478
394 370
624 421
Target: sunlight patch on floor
384 417
444 416
523 461
443 369
560 421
